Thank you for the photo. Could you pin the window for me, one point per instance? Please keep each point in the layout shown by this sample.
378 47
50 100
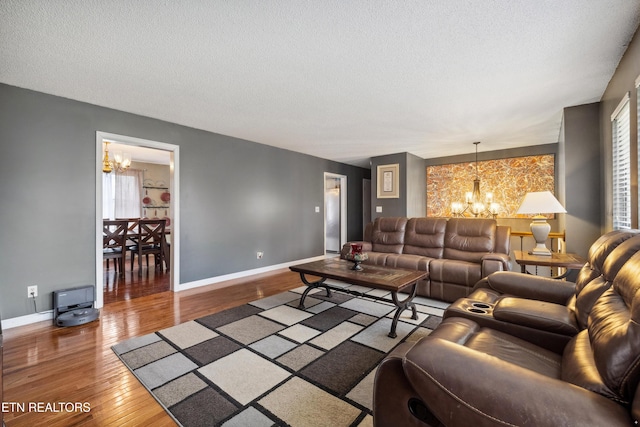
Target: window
121 194
621 155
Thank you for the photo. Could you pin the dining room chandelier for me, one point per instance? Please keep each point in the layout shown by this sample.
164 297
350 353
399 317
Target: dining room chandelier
121 161
474 205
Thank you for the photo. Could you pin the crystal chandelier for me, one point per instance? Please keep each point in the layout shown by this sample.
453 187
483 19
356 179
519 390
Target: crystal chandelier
473 204
120 163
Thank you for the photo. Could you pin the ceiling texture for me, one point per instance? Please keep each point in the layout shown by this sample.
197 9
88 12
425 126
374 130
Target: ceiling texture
338 79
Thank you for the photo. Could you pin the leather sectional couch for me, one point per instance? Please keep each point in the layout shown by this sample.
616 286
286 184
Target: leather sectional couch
457 252
490 370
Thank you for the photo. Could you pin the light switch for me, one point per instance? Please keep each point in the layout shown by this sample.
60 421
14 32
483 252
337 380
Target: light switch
378 209
317 209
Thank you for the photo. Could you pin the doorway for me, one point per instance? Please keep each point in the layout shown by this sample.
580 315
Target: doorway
335 212
141 149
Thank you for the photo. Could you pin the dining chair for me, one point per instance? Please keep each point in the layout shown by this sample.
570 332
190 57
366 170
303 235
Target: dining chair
132 225
132 230
114 238
150 240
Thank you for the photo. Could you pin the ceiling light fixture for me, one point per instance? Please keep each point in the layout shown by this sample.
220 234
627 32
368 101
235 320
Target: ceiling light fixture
473 204
120 163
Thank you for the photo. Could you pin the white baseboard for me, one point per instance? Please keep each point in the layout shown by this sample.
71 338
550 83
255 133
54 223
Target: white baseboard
27 320
241 274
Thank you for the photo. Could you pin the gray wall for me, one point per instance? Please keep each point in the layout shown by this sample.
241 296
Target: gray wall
390 207
413 187
622 81
416 187
582 177
237 197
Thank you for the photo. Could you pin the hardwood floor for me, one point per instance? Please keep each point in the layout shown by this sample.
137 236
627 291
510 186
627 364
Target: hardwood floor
132 285
47 365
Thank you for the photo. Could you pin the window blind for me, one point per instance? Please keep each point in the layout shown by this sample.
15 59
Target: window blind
621 156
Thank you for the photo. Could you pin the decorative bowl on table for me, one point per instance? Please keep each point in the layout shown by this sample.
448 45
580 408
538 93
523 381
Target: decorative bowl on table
357 258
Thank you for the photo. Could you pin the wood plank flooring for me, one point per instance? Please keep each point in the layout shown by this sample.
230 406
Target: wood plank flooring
132 285
45 364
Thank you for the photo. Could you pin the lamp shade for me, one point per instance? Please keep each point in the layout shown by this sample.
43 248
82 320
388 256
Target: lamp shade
540 202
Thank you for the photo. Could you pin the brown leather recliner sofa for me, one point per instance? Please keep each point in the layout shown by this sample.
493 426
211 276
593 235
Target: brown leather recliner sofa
466 374
457 252
545 311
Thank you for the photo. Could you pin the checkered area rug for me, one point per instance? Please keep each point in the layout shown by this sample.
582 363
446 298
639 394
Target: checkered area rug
270 363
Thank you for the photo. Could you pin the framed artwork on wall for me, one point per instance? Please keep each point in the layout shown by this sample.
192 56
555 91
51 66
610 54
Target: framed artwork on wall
388 181
508 180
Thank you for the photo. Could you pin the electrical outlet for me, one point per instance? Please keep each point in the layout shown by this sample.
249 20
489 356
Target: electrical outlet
259 255
32 291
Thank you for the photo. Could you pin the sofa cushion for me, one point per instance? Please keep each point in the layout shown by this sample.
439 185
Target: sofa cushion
425 236
410 262
620 250
613 340
377 258
469 240
582 370
495 343
388 234
455 271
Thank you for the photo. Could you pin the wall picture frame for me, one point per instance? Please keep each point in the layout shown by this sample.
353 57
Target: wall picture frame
388 185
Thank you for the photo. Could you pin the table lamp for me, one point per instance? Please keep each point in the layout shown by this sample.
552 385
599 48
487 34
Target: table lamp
538 203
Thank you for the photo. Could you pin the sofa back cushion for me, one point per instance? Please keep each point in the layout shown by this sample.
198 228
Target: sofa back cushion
598 253
469 239
425 236
606 261
608 360
387 234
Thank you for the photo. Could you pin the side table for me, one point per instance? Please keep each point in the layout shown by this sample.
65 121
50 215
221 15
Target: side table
556 260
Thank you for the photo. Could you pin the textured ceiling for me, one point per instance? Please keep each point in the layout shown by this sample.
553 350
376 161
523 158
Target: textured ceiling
338 79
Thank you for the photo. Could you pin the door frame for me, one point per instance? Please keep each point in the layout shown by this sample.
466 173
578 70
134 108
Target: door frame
174 188
343 209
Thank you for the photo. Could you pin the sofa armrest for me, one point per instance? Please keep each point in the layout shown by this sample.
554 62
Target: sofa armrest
539 315
461 386
495 262
392 391
529 286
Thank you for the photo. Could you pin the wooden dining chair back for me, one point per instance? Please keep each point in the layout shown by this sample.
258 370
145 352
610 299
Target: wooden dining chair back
132 225
132 230
150 240
114 238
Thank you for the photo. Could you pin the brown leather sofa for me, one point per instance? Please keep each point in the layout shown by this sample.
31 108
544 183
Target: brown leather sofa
467 374
545 311
457 252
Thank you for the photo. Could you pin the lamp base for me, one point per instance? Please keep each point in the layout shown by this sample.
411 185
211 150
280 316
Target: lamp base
540 229
544 251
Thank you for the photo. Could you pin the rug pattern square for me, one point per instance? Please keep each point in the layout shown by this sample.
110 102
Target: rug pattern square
188 334
271 363
250 329
272 346
244 375
299 403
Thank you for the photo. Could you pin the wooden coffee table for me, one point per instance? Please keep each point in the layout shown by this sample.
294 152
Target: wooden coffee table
389 279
